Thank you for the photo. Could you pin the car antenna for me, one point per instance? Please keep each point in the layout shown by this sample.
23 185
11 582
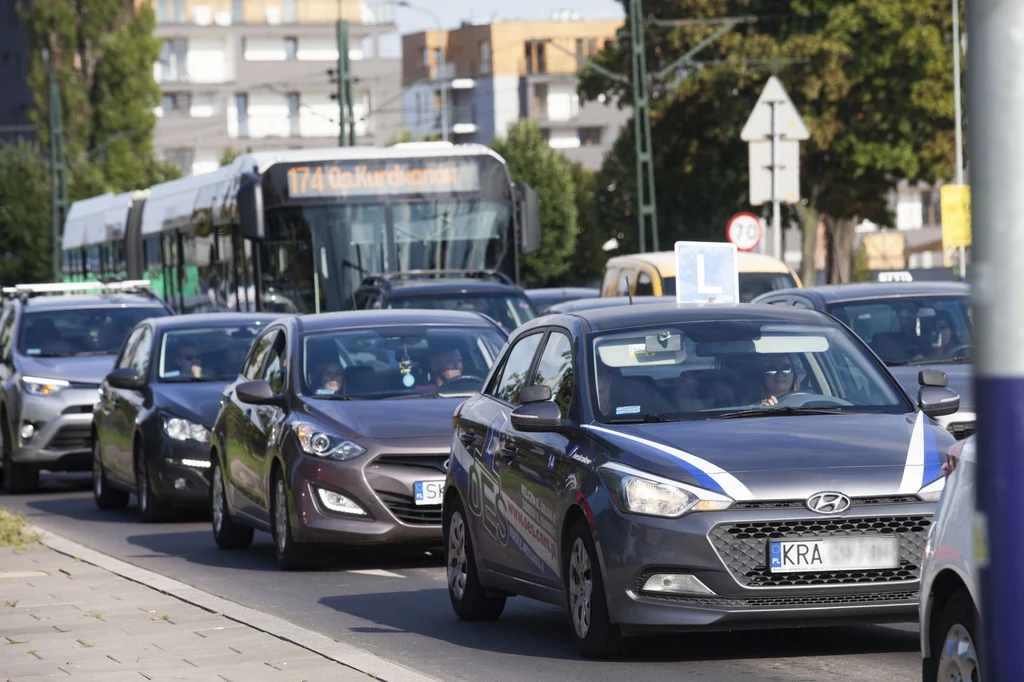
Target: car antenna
629 291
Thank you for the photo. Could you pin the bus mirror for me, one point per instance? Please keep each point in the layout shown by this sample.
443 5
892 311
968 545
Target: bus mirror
250 207
529 218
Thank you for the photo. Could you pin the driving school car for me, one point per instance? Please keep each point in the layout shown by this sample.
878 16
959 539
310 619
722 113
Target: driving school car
681 467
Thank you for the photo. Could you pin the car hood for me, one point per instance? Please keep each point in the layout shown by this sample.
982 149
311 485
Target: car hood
961 380
197 401
86 369
787 458
387 419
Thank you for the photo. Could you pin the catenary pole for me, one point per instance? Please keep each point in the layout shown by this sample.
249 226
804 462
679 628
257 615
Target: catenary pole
958 119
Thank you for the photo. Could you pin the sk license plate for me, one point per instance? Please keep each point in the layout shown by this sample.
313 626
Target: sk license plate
428 492
834 554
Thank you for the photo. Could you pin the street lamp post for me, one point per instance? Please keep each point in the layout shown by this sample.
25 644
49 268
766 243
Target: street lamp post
443 65
958 120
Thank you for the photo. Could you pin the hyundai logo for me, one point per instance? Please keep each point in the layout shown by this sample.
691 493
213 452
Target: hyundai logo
828 503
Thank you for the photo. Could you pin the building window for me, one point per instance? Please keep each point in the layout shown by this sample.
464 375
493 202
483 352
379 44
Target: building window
592 47
293 114
485 57
291 48
182 157
540 101
288 7
177 103
437 59
179 11
529 56
419 108
542 66
161 11
174 61
426 57
590 137
237 12
242 109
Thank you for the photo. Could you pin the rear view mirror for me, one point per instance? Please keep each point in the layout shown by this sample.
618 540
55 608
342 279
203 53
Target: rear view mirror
537 417
258 393
938 401
250 207
529 218
932 377
125 378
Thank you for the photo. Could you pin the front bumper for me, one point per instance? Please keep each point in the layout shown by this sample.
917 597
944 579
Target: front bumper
63 430
177 475
382 484
727 552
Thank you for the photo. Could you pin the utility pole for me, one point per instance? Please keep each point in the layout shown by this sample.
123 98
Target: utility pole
58 168
995 97
647 203
346 119
958 121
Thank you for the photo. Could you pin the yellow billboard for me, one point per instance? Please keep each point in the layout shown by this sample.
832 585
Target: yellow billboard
956 216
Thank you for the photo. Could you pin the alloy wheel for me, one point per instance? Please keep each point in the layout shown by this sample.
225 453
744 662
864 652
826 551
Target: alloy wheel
458 566
959 659
281 516
581 584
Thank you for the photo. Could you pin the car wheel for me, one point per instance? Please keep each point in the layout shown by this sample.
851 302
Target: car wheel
596 636
955 643
469 598
227 533
291 556
104 496
151 508
18 478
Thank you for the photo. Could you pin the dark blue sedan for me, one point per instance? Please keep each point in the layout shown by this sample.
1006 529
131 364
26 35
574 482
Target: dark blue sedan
691 467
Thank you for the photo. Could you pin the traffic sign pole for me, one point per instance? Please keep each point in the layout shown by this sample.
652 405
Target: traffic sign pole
776 211
995 98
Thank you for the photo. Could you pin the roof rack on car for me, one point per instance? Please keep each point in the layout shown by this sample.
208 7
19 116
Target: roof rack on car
388 278
132 286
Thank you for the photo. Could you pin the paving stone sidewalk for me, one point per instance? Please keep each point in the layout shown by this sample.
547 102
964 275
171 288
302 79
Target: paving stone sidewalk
66 619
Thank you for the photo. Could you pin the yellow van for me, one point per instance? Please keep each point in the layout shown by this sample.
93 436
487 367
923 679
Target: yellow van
654 274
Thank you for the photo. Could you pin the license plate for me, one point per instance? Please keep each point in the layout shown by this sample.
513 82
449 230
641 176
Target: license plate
428 492
834 554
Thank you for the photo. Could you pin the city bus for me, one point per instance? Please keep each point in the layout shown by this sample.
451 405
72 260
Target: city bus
297 231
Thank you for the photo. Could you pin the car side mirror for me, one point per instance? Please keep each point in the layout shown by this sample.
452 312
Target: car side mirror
125 378
938 401
932 377
537 417
534 394
258 393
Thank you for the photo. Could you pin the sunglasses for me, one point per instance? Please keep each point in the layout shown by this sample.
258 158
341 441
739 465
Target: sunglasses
190 357
785 369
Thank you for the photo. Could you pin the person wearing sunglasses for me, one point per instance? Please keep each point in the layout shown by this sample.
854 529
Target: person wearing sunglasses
189 362
779 378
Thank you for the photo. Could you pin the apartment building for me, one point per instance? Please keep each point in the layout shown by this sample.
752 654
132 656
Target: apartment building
499 72
253 74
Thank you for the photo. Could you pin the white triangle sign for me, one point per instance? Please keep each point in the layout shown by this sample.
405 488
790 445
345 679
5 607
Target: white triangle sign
787 119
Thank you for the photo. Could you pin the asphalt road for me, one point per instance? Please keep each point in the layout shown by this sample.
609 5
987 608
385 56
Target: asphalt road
397 607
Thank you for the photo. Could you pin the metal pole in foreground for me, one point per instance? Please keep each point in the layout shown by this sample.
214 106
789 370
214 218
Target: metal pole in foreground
995 98
776 210
958 119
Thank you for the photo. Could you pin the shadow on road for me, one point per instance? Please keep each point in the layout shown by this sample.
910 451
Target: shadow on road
536 630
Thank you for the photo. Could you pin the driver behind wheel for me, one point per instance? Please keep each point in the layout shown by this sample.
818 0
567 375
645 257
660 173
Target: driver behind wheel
779 378
445 365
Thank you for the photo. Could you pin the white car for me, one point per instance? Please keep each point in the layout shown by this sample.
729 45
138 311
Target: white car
950 589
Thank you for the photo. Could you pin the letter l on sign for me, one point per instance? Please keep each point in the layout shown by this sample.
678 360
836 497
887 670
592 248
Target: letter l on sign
702 286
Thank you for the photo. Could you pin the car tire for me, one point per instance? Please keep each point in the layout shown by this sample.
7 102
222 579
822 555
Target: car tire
595 635
955 642
151 508
227 533
291 556
18 478
103 494
469 598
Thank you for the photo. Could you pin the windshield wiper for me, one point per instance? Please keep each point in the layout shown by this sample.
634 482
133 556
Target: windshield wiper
784 411
646 419
189 380
331 397
409 396
941 361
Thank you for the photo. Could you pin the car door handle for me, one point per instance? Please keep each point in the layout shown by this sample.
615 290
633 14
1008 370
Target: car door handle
509 450
467 438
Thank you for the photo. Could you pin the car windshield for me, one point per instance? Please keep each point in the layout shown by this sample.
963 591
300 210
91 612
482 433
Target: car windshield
912 330
399 361
714 369
752 284
205 353
80 331
507 309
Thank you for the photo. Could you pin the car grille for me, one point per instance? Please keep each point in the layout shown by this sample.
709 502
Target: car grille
856 502
406 510
71 438
742 547
782 602
961 430
78 409
438 462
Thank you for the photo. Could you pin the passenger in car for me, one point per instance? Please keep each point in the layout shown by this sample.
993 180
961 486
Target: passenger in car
332 379
620 395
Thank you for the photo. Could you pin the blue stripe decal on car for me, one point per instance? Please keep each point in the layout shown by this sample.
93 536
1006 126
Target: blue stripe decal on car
913 471
932 461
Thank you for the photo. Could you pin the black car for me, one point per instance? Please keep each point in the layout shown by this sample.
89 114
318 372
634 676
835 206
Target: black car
545 298
693 467
151 424
490 293
910 325
580 304
337 429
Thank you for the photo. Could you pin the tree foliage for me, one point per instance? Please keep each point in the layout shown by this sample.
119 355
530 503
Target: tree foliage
875 89
531 160
588 258
24 215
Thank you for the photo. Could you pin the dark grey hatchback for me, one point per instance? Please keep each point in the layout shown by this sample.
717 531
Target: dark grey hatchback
693 467
337 430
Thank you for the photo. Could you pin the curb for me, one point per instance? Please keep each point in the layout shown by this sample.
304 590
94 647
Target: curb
347 655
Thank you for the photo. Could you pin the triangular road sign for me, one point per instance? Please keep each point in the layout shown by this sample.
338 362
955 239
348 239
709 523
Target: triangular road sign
787 118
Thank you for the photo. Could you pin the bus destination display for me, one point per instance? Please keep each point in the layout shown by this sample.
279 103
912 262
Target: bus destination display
334 179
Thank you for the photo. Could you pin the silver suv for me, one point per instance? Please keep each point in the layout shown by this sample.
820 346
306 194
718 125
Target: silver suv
56 345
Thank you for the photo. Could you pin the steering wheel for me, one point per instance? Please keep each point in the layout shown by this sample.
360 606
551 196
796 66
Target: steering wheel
960 352
447 386
805 398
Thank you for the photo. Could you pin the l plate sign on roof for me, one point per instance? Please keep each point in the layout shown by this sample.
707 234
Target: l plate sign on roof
787 119
706 272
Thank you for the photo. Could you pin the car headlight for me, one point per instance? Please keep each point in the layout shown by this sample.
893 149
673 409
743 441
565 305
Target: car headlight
638 492
320 443
183 429
46 387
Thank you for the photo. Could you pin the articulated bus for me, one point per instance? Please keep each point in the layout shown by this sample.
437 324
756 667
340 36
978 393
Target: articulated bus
307 225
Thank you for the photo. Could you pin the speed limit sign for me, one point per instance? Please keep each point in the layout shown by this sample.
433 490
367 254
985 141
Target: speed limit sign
744 230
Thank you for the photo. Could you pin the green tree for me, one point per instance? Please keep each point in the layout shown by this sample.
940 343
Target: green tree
588 258
229 154
875 92
24 215
531 160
